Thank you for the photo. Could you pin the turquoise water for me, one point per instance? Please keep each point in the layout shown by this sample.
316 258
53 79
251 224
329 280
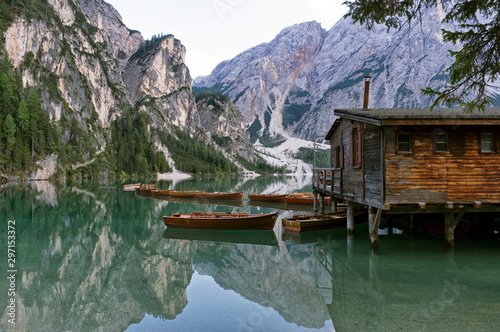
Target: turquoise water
91 257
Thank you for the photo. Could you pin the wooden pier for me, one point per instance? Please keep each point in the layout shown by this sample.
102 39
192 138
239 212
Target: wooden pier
413 162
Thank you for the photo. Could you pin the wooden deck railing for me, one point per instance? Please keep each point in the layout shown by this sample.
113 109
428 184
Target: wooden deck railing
323 179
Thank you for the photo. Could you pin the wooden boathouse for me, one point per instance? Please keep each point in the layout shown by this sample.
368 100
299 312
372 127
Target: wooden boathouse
413 161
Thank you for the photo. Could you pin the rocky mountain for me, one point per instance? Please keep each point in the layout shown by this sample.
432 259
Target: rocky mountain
88 70
224 124
291 85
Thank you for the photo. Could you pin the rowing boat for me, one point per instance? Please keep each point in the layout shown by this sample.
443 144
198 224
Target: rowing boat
131 187
221 195
303 223
145 189
304 198
222 220
158 192
187 193
268 197
203 201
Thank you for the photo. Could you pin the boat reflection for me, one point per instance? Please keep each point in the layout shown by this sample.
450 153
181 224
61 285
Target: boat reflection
321 236
257 237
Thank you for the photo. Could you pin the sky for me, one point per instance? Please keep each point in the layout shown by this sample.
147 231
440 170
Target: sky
216 30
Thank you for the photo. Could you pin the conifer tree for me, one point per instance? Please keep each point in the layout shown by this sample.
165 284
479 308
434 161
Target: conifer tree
476 68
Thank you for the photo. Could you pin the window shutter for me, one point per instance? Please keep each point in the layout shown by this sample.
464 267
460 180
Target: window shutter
351 148
341 156
360 146
336 157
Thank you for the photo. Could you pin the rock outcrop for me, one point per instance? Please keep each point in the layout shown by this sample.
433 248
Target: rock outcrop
91 67
292 84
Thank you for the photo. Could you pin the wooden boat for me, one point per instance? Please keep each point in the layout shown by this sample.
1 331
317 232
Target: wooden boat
131 187
255 237
303 223
187 193
268 197
158 192
145 189
222 220
304 198
237 196
437 227
202 201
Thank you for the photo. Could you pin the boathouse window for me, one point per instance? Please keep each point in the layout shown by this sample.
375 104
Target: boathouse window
404 142
487 142
441 142
355 139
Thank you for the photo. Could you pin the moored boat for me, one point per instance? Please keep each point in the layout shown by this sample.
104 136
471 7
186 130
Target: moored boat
145 189
222 220
221 195
304 198
437 227
158 192
186 193
268 197
310 222
131 186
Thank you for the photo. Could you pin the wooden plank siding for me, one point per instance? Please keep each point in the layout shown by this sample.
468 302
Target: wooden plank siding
463 174
372 163
363 183
352 182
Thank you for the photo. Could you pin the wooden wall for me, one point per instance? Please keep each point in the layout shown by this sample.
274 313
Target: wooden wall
372 163
464 174
361 184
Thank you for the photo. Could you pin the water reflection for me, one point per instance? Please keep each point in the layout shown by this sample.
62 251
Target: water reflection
92 257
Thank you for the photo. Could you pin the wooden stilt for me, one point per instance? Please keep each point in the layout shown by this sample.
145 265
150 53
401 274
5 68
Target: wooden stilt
450 222
374 216
350 245
350 218
322 203
315 196
449 229
334 204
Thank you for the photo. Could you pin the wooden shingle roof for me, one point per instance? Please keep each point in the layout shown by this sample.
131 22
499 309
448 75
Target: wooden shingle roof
421 116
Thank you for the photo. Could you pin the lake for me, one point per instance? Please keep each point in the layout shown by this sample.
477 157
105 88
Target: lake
92 257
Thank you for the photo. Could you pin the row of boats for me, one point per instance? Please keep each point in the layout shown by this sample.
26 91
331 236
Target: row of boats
246 221
294 198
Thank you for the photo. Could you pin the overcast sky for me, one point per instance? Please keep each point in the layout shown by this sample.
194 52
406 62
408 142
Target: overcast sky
217 30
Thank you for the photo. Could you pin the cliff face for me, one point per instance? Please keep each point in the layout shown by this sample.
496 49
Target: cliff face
159 83
72 62
305 72
223 123
259 80
89 67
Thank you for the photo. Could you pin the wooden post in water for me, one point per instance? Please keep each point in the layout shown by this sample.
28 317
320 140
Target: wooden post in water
374 216
350 218
449 230
450 223
322 203
315 197
412 224
334 204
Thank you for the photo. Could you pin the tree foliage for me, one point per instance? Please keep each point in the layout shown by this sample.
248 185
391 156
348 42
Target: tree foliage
477 63
193 155
26 130
132 148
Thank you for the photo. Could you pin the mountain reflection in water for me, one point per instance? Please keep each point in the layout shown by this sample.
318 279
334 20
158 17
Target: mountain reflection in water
92 257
